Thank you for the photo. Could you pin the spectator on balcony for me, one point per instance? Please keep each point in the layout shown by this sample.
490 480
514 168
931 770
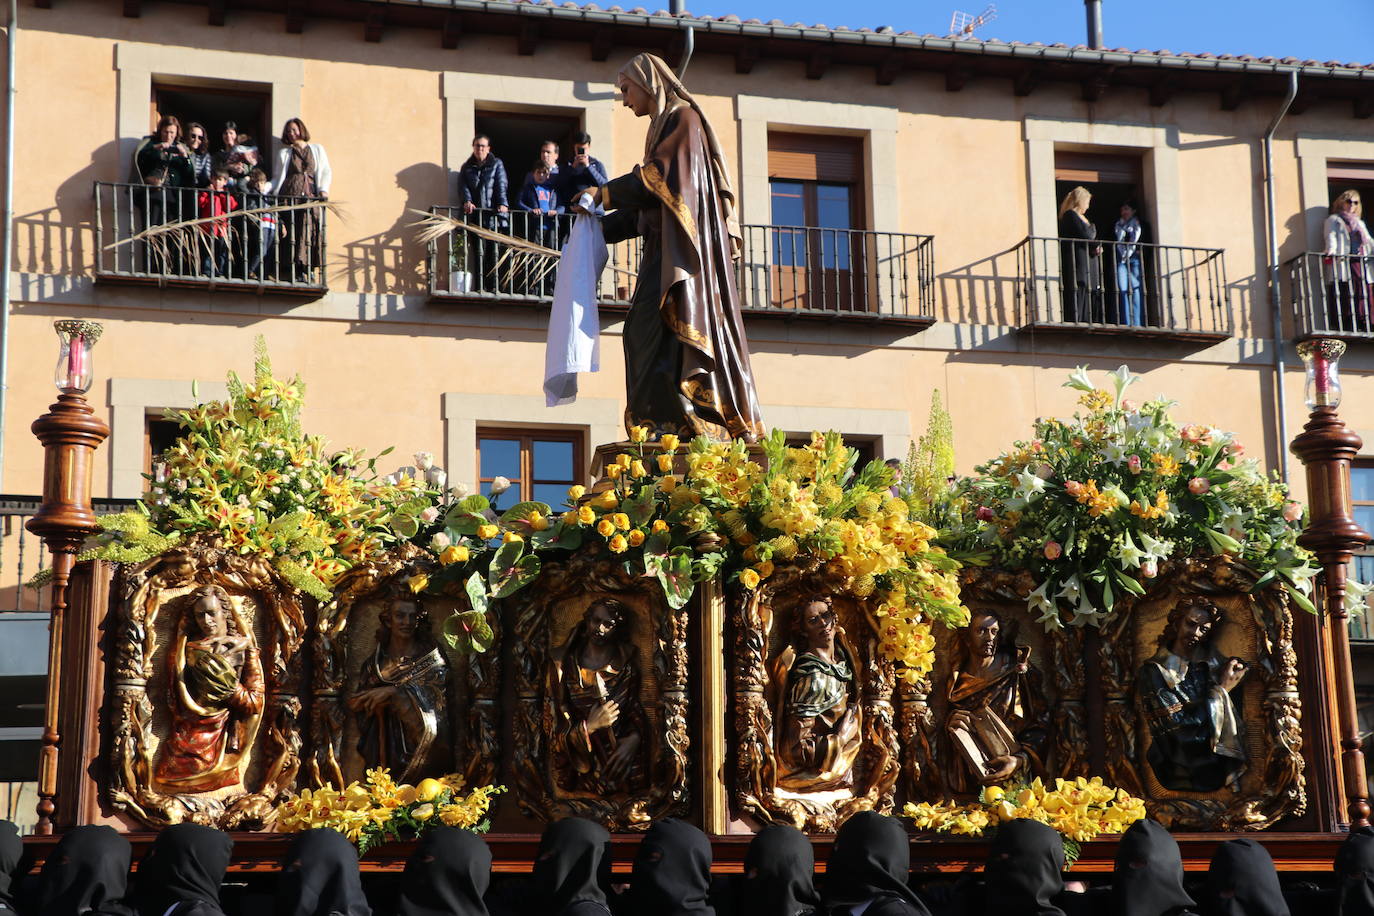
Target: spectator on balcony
202 160
303 175
1080 264
540 195
261 229
215 203
482 193
1350 258
164 154
236 156
583 171
1129 292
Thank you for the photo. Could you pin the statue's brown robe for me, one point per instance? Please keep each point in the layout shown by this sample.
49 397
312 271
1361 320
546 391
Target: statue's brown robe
686 359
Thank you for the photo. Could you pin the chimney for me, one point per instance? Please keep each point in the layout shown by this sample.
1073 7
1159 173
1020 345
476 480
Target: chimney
1094 8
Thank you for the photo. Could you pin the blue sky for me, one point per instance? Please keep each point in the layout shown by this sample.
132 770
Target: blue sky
1319 29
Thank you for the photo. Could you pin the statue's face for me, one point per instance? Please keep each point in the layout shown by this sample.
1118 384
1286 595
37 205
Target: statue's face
1194 628
404 616
983 632
210 617
634 96
601 624
817 624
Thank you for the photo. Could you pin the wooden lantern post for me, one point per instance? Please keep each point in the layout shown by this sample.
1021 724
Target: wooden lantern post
70 432
1327 447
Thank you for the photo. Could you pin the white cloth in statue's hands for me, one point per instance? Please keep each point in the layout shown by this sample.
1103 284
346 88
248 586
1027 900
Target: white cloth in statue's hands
574 325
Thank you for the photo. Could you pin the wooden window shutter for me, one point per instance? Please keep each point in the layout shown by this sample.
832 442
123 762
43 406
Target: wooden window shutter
815 157
1094 167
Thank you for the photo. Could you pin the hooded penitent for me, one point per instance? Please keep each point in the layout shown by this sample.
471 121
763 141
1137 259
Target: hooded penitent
779 874
1149 874
1024 871
868 865
447 875
672 872
571 868
11 851
1242 881
87 874
1355 873
185 866
319 877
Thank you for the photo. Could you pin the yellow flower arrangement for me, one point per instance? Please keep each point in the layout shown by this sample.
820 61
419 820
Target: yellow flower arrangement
1079 809
378 809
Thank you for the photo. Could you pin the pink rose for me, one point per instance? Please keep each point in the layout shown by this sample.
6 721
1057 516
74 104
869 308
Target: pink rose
1133 464
1149 569
1053 550
1073 487
1199 485
1291 511
985 514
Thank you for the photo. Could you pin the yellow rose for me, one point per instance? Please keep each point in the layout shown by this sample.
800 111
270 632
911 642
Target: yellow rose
624 459
639 433
621 521
510 537
609 500
538 522
576 492
659 526
418 583
487 532
665 463
613 471
619 544
423 812
667 484
455 553
605 527
668 441
749 578
636 537
428 789
585 515
637 468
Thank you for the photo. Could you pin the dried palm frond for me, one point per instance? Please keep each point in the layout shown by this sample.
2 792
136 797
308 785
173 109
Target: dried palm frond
176 227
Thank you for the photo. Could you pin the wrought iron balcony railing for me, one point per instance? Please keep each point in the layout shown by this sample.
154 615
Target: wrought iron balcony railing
1333 295
148 234
1140 289
782 270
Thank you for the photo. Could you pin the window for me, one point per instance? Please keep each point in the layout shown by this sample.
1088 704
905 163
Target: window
815 185
517 136
159 434
211 103
1351 176
540 465
1362 569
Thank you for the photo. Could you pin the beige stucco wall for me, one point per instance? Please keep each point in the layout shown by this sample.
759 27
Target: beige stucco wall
385 367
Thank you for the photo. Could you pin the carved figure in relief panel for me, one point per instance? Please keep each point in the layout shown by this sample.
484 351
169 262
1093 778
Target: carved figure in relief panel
998 722
1186 690
401 703
600 728
818 718
216 686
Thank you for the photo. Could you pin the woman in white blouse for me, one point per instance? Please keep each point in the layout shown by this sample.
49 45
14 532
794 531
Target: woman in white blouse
302 172
1350 265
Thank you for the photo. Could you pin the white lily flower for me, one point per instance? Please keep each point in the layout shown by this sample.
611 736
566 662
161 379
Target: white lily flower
1071 590
1084 613
1129 554
1114 453
1039 600
1079 380
1357 597
1122 379
1155 547
1029 486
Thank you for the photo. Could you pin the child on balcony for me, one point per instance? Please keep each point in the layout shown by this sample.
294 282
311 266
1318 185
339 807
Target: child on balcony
262 228
216 202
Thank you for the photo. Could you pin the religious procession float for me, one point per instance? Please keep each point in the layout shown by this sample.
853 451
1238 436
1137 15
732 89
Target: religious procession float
1119 616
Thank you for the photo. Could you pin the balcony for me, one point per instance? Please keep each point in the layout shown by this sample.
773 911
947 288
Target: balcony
1145 291
783 271
152 235
1333 296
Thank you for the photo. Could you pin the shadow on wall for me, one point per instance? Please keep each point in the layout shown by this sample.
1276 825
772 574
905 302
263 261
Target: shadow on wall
392 260
980 292
60 239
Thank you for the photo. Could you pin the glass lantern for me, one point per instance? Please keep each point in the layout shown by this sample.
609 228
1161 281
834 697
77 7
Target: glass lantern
1322 357
73 373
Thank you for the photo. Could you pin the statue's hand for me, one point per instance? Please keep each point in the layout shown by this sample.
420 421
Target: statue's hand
372 701
960 718
618 767
603 715
1232 673
999 768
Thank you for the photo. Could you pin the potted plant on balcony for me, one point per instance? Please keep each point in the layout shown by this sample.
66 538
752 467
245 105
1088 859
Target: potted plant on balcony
459 277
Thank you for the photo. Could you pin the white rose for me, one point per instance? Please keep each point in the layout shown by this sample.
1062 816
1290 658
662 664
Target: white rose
440 541
436 477
458 491
499 485
428 515
424 460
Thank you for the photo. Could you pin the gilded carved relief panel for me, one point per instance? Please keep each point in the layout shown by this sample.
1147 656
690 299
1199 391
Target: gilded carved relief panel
815 739
205 689
599 662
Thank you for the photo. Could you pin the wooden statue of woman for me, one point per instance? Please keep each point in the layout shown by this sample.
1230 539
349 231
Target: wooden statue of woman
686 360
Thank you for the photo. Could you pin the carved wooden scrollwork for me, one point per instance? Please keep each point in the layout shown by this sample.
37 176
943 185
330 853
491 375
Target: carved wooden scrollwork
158 588
538 623
757 768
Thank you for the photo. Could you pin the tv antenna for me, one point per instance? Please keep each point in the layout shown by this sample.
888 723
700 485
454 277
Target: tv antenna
963 25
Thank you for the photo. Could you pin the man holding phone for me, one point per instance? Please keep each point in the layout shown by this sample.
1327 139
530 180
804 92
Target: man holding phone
583 171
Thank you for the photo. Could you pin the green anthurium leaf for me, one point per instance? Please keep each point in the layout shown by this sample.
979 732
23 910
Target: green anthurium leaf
657 543
510 571
476 591
460 522
407 526
519 515
467 632
558 537
640 507
476 503
675 574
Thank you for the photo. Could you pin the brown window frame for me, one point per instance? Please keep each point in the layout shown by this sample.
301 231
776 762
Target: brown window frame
527 436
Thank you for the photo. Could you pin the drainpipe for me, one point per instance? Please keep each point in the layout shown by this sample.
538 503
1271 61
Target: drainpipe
1094 10
11 36
1275 298
689 41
